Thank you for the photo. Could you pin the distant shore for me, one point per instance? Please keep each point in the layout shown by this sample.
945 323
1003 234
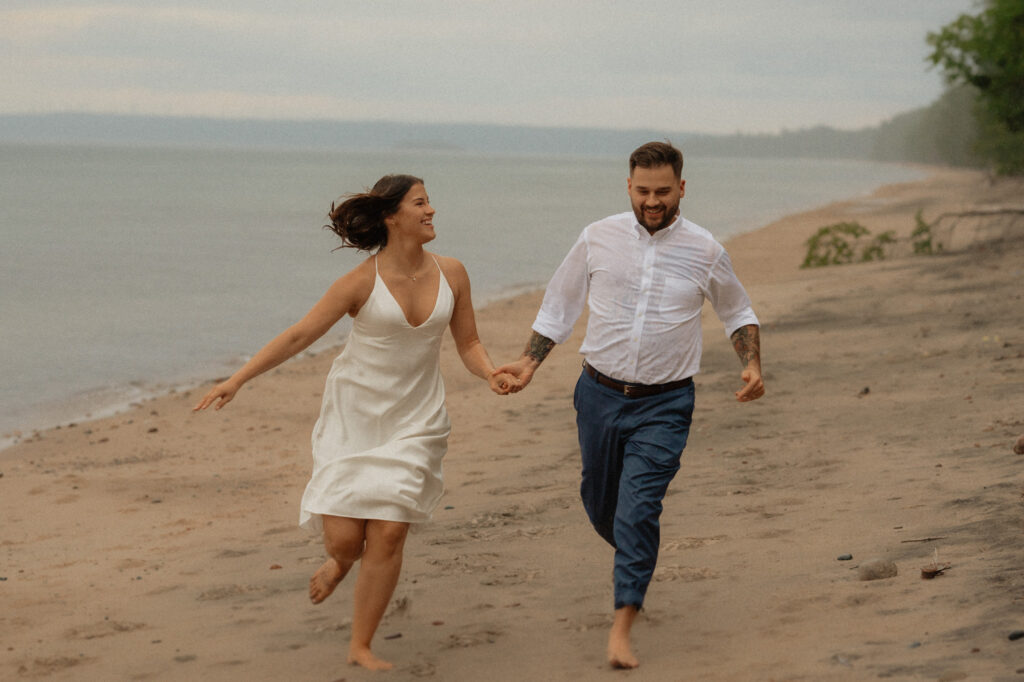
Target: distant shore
162 544
74 128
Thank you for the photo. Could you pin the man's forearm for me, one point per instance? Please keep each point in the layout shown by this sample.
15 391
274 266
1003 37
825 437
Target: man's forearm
537 348
747 343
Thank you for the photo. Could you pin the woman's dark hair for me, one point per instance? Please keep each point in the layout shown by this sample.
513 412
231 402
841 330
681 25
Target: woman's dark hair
359 219
654 154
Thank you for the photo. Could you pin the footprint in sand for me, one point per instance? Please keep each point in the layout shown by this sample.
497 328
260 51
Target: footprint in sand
245 592
593 621
522 489
686 574
483 562
771 534
131 564
691 543
44 667
165 590
233 553
797 606
423 669
330 627
472 638
103 628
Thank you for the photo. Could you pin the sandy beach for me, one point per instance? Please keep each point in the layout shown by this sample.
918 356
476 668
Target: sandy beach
162 545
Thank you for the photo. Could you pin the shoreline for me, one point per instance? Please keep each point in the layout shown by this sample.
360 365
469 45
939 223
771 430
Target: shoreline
112 401
160 544
101 402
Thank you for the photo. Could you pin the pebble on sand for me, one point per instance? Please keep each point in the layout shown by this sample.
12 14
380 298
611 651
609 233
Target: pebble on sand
844 557
876 569
1018 447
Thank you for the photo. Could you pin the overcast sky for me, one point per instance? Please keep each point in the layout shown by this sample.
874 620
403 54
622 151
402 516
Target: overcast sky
717 66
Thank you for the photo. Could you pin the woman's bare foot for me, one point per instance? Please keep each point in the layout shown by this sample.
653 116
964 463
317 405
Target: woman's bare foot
324 581
365 658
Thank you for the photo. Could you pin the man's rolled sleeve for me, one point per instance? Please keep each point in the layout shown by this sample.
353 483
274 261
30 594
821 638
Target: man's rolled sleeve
565 295
728 297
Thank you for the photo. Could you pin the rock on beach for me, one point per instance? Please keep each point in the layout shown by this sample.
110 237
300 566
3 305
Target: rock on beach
876 569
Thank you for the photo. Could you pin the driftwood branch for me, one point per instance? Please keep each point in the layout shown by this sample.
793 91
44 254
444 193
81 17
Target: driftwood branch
983 213
989 223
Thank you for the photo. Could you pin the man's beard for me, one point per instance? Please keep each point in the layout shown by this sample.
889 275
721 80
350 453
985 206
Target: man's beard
667 217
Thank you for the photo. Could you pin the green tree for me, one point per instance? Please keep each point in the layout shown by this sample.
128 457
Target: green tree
944 132
954 124
987 52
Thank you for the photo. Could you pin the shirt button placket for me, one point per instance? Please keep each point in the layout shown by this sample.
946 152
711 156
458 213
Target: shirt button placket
646 278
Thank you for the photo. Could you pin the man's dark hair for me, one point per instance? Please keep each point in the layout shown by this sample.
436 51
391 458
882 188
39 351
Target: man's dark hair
654 154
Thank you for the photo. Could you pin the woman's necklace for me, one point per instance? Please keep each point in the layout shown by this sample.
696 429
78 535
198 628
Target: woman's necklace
414 275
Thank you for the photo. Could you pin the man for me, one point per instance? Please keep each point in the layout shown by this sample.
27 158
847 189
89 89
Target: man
645 276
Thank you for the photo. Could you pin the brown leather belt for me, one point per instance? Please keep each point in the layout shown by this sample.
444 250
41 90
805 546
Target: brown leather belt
635 390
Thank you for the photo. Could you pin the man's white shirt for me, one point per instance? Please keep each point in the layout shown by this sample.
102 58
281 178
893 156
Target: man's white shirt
645 294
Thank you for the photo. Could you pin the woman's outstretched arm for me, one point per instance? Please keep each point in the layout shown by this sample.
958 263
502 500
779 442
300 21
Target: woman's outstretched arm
345 296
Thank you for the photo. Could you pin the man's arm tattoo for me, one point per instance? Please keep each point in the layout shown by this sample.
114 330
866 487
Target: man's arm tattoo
538 347
747 343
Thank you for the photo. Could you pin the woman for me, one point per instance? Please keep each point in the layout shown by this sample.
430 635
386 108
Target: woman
383 428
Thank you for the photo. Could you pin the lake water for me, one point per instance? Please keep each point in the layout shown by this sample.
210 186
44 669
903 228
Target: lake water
126 272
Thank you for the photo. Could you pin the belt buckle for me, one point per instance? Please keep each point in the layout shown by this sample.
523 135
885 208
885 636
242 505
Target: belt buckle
627 391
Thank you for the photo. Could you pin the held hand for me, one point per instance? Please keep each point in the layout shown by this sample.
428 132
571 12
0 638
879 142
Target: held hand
222 393
754 388
502 383
521 369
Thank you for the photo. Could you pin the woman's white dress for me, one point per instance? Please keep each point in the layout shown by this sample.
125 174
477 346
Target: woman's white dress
383 428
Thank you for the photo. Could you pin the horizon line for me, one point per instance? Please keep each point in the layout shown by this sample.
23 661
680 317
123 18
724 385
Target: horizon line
451 124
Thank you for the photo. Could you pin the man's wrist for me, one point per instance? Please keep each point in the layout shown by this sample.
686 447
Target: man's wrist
528 361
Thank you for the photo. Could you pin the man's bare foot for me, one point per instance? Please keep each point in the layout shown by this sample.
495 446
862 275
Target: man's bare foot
620 655
366 659
324 581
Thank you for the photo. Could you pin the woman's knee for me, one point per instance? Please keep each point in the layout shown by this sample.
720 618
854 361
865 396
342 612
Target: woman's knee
344 538
385 538
344 550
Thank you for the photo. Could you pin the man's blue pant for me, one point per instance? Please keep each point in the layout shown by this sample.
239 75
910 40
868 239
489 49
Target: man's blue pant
631 449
